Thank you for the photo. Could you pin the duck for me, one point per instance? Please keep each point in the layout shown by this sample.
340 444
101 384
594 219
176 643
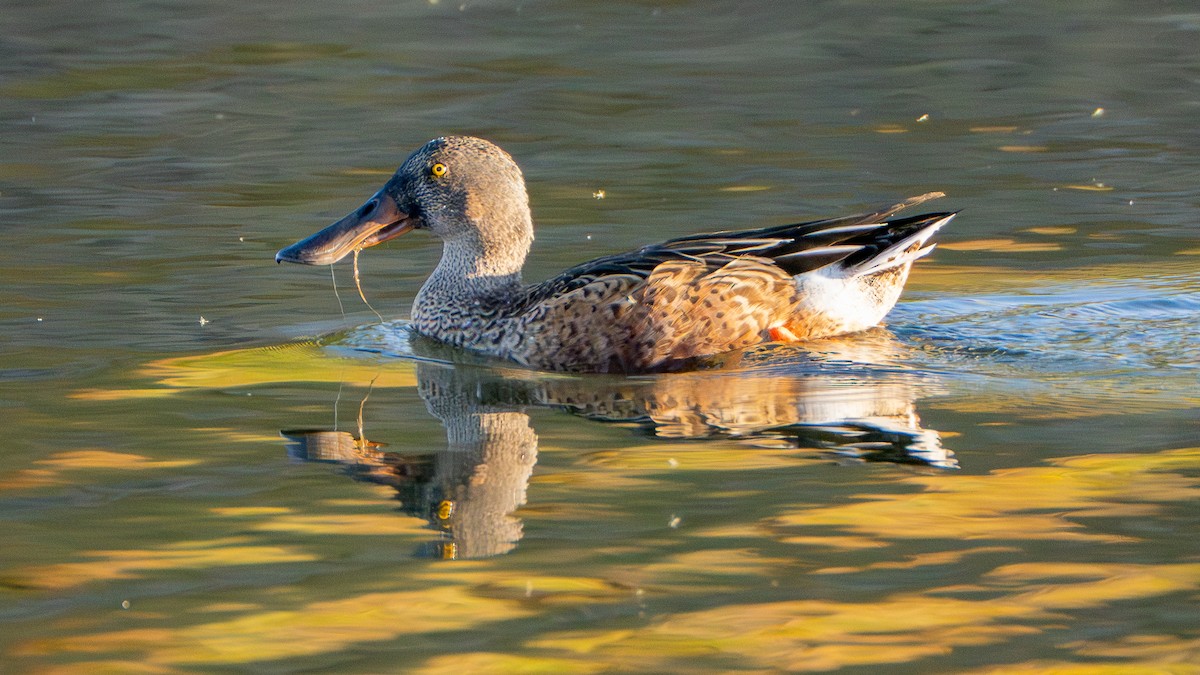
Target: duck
663 307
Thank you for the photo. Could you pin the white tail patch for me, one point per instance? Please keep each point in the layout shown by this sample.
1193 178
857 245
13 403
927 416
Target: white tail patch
856 297
844 303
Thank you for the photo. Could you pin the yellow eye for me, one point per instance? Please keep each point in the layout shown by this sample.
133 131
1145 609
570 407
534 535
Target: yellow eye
438 170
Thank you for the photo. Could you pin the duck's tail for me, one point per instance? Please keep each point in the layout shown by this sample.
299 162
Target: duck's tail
856 291
895 243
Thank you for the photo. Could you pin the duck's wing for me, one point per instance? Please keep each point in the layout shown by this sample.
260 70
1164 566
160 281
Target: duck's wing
796 249
860 244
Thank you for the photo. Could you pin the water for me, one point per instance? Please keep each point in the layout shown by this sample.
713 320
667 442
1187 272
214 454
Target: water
1005 477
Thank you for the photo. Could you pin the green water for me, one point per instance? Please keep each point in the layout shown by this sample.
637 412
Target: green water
1006 477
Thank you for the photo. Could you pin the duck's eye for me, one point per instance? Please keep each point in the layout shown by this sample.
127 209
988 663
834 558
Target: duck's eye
438 170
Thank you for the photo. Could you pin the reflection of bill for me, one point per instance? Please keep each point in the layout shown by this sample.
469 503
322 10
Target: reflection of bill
470 490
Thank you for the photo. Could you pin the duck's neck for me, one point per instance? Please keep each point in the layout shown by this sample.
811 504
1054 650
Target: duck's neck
472 286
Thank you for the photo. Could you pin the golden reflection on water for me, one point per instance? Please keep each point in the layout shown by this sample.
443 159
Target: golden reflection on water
815 635
728 596
1010 602
313 628
1020 504
138 563
987 279
469 492
485 478
61 464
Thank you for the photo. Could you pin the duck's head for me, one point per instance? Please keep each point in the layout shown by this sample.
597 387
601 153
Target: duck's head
466 190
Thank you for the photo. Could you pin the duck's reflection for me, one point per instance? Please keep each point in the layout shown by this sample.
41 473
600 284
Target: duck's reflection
470 490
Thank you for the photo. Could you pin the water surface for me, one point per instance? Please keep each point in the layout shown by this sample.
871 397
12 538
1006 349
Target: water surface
216 463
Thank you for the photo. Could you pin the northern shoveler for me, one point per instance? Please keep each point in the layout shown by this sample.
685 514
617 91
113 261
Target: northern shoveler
658 308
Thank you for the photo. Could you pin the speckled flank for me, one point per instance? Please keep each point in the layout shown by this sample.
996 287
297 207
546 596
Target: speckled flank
680 310
657 308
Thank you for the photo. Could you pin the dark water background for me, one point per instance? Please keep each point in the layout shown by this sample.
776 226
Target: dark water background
1006 477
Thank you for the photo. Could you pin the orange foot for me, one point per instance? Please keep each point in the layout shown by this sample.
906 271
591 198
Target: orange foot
782 334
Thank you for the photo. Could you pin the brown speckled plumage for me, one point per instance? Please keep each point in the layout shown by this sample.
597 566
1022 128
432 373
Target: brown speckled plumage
654 309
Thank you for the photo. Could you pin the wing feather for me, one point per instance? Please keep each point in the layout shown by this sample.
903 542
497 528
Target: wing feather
861 241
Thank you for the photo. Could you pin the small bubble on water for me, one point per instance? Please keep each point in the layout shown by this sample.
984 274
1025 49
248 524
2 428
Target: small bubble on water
124 604
674 522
